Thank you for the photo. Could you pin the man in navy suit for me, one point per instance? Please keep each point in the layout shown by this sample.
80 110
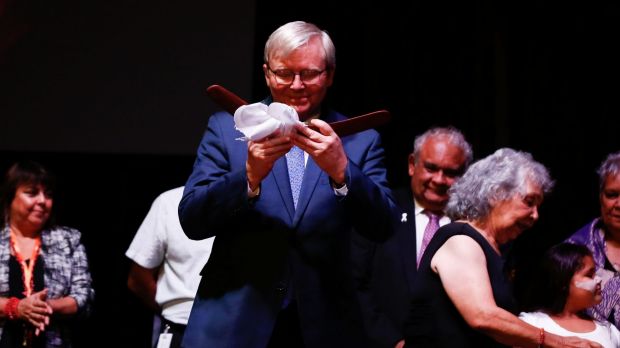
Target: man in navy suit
279 274
385 272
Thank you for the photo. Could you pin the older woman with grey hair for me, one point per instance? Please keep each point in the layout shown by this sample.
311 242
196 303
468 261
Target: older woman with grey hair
462 297
602 237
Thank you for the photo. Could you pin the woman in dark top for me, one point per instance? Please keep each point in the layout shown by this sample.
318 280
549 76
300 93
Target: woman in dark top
462 297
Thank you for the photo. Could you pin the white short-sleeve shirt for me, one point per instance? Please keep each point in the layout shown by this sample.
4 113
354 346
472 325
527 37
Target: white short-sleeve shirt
605 333
160 241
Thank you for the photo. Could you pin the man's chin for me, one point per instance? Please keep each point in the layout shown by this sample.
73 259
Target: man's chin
437 201
305 113
436 205
300 108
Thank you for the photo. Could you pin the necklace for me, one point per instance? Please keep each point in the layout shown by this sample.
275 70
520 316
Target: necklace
27 267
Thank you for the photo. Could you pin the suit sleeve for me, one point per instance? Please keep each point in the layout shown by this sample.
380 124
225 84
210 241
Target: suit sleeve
369 202
80 283
216 191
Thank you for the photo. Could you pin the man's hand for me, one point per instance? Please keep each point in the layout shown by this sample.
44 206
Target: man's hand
262 154
324 147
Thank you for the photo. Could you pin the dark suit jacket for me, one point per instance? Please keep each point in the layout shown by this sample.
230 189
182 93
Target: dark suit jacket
384 275
263 244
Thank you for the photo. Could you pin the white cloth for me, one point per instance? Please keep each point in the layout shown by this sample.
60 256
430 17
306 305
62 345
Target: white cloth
160 240
258 120
605 333
421 220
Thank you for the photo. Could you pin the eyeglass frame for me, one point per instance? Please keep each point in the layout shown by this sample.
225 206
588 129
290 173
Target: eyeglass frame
300 74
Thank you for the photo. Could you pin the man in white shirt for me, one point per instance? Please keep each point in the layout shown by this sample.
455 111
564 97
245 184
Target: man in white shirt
165 271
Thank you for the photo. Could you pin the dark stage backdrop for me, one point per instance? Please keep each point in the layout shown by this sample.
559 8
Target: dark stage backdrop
109 95
118 77
535 76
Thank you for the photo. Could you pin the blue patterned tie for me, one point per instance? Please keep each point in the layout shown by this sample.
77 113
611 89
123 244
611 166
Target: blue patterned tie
295 163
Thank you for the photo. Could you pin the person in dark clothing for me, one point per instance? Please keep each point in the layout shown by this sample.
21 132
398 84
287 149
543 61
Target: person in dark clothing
461 297
385 272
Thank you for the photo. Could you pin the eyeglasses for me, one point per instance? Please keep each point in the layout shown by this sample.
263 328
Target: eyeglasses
286 76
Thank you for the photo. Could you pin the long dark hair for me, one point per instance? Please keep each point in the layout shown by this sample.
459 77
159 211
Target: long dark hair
24 173
558 266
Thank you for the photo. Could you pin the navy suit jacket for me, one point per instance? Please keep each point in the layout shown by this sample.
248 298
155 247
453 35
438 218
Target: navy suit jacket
385 274
263 245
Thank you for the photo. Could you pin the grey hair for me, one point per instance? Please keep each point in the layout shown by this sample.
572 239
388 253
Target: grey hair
292 35
493 179
453 135
609 167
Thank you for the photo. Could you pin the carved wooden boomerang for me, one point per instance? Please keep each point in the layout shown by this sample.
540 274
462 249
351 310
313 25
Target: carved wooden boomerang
231 102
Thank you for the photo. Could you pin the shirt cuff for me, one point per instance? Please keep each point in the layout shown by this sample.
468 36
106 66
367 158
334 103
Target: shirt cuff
341 191
253 194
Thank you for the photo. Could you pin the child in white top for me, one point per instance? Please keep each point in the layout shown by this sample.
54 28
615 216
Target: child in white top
567 288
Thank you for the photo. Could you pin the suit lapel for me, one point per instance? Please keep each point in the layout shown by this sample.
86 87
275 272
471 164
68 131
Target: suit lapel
407 239
280 173
311 175
311 178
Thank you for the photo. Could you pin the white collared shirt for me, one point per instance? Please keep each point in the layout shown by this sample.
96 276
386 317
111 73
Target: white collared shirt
421 220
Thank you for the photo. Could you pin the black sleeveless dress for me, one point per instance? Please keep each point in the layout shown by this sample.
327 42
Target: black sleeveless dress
433 320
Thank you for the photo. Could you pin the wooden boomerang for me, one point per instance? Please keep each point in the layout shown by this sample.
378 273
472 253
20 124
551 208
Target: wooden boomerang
231 102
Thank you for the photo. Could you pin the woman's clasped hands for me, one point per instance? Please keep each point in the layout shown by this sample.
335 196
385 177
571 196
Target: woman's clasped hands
35 310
